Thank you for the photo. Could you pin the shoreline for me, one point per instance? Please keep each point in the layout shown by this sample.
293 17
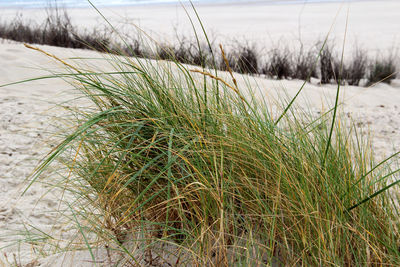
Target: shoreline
186 2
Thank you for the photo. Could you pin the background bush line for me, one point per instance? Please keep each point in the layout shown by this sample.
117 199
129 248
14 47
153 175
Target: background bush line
278 63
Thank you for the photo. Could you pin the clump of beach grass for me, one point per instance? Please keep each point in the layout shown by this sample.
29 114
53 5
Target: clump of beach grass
356 70
305 65
204 175
280 64
174 165
242 59
383 69
329 67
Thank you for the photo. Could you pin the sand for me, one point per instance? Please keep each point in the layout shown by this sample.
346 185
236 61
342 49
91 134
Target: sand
26 110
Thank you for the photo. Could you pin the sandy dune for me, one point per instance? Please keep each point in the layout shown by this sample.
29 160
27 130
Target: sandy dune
26 112
26 109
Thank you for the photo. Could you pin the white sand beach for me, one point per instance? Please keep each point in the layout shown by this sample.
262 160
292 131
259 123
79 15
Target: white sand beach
26 109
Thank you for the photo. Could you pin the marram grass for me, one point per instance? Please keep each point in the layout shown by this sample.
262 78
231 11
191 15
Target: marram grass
178 167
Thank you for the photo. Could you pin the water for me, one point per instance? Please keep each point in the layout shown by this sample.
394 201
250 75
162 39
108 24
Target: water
84 3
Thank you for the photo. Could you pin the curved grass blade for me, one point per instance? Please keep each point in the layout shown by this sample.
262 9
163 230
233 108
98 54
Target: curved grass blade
373 195
60 148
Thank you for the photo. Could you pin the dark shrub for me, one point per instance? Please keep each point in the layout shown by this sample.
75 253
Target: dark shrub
191 53
305 66
327 65
57 30
20 31
339 71
181 53
201 57
353 71
280 64
242 59
186 52
247 60
165 52
94 41
228 61
382 70
132 49
357 69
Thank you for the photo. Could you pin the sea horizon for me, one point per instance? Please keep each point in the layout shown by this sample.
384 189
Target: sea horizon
111 3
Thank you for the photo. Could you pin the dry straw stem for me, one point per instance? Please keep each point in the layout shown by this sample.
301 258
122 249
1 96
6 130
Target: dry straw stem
221 80
52 56
227 65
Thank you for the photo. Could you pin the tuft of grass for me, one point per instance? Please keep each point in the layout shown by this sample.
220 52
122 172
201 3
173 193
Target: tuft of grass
280 64
305 66
357 68
329 68
242 59
186 52
174 165
247 60
382 70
